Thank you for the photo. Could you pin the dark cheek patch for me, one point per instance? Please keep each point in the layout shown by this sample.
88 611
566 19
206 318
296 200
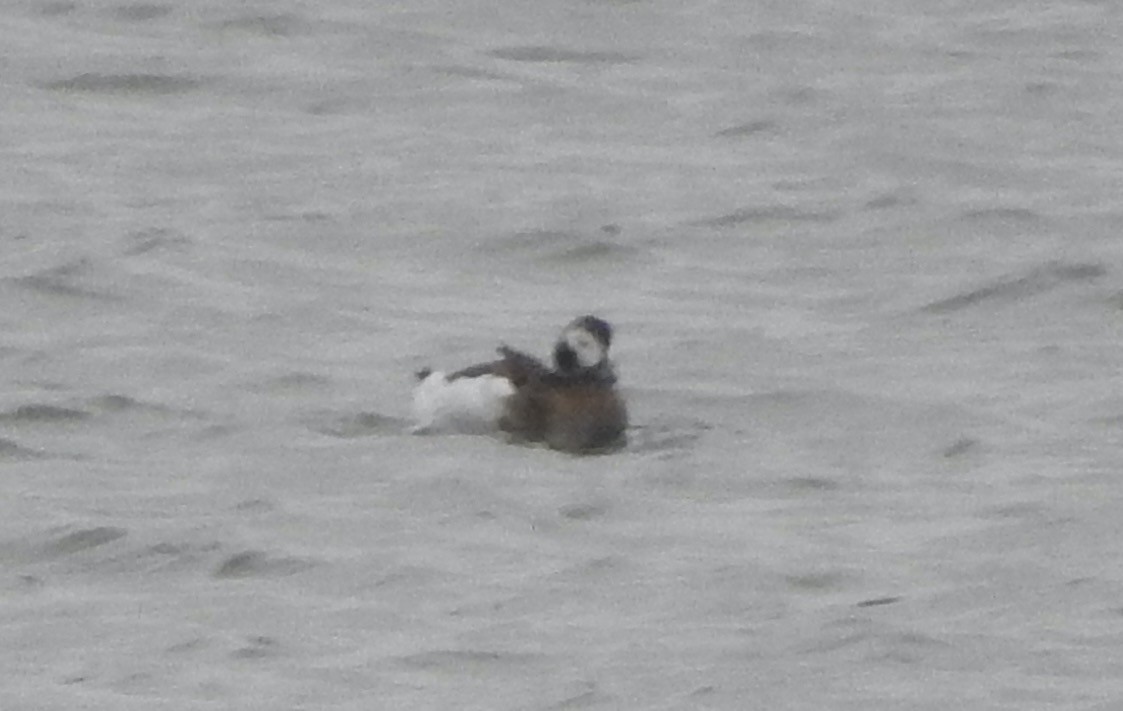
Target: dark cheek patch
565 357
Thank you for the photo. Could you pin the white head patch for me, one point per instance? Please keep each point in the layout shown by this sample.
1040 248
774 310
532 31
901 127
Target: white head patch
585 345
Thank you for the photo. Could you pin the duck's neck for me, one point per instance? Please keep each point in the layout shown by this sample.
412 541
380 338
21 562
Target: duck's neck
600 374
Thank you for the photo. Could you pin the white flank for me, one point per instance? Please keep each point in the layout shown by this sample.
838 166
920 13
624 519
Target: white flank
469 405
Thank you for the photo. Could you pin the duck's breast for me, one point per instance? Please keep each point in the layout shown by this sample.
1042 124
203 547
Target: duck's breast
587 419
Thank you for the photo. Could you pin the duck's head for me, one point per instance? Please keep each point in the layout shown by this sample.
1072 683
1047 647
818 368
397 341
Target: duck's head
583 345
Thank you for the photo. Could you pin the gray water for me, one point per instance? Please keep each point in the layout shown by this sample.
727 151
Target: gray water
863 260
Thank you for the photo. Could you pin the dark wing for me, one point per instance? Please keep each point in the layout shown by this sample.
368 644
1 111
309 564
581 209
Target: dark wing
475 371
520 368
516 366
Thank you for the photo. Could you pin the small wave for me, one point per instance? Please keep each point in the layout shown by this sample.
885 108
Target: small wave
890 200
13 451
771 213
536 240
961 447
82 540
671 435
141 12
866 639
1001 214
473 73
412 577
820 580
116 403
598 568
1079 55
50 414
811 483
751 128
305 216
361 424
287 382
1009 289
266 25
587 698
254 563
257 647
156 239
879 601
595 252
468 661
536 53
584 511
136 84
565 248
65 280
168 556
57 8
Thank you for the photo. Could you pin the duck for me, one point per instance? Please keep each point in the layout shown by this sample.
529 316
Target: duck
573 405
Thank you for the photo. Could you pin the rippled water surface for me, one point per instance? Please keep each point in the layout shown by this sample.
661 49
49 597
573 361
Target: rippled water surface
863 260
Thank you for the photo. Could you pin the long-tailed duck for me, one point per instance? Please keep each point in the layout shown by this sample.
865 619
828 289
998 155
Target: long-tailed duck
573 407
